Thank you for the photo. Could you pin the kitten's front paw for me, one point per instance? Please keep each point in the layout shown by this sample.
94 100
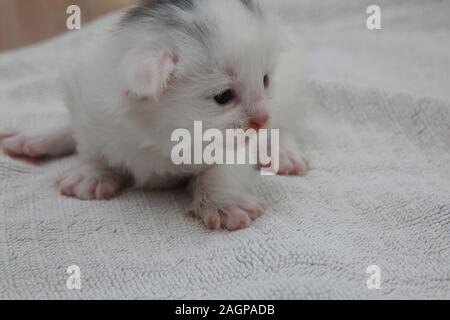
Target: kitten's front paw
235 215
88 183
292 163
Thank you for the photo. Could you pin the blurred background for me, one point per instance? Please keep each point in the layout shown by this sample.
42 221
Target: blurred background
24 22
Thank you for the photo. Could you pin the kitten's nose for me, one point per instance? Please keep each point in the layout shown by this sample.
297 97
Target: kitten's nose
259 120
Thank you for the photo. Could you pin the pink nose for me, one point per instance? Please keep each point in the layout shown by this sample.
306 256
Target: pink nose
259 121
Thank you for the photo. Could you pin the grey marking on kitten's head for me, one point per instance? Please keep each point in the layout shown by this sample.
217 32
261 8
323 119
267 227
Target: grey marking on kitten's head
252 5
165 14
156 9
162 8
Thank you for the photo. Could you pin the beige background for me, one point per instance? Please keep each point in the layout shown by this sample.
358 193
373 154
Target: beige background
26 21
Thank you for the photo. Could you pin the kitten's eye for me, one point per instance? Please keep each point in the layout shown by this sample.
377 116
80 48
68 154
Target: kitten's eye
266 81
224 98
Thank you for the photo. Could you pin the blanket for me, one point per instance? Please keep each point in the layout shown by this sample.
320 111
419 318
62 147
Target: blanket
371 220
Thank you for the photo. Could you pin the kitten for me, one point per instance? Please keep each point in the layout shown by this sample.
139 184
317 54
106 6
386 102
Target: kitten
166 65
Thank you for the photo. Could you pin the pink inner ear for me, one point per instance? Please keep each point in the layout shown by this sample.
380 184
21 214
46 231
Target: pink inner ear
148 73
165 68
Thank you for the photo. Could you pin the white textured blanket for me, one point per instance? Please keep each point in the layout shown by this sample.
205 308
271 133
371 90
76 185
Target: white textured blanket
378 137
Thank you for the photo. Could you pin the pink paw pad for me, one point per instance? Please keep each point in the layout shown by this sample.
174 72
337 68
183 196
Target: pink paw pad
13 145
19 145
24 146
86 185
7 134
231 217
292 164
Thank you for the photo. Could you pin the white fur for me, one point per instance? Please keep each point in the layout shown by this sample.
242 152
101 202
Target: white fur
140 83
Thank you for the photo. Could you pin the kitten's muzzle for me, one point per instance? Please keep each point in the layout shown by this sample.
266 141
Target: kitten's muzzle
259 119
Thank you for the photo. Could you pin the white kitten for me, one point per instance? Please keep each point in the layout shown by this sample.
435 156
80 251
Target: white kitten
166 65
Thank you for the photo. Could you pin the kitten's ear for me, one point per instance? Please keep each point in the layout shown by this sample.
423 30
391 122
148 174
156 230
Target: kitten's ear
148 74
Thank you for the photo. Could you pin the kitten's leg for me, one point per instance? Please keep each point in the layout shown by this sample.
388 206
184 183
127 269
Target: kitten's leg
90 181
57 143
221 198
